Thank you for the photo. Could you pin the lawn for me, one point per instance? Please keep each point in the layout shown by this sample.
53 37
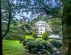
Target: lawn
12 47
28 37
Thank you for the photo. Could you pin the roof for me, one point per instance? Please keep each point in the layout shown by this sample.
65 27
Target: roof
41 22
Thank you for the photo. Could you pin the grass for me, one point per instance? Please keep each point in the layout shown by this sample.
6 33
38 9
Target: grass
12 47
28 37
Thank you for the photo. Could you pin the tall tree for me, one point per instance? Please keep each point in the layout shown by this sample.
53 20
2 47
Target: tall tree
67 26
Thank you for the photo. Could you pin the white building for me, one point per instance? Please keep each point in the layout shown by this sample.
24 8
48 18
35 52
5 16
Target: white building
41 27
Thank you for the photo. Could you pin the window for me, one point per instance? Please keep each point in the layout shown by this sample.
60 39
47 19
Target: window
41 32
40 29
41 25
38 25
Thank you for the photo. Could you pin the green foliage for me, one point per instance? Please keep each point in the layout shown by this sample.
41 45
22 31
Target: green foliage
45 36
27 28
42 18
38 46
55 25
18 30
56 43
9 16
14 37
34 34
26 41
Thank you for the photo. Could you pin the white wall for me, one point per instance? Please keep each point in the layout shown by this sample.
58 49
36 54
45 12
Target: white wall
41 27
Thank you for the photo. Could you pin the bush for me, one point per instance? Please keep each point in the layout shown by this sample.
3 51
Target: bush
14 37
21 39
45 36
38 46
26 41
34 34
56 44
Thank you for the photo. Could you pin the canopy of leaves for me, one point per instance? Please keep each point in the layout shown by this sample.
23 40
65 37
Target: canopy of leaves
55 25
34 34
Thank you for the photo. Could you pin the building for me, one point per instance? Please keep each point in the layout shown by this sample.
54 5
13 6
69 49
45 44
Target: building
41 27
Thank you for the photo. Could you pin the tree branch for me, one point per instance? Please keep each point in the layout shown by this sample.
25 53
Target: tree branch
9 19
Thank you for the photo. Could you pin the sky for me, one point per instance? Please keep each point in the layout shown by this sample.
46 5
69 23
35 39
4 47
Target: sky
28 15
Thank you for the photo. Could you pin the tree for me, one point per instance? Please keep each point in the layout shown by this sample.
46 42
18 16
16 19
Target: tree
7 6
18 29
45 36
35 8
66 22
41 5
34 34
55 25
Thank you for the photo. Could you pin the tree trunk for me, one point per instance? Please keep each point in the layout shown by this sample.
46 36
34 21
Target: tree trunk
67 27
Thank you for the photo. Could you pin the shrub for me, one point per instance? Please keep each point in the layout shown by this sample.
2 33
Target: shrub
34 34
56 44
34 43
38 46
45 36
26 41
